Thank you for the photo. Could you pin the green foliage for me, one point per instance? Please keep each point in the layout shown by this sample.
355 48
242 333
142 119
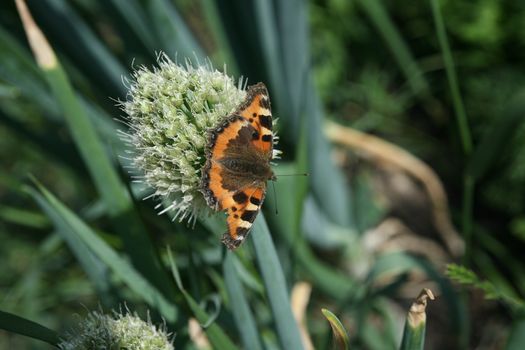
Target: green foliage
340 334
467 277
409 73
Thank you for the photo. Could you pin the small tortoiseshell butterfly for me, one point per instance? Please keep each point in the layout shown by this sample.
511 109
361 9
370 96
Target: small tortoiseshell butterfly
237 166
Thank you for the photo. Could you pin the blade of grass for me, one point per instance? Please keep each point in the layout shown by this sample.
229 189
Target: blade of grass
494 141
216 335
88 142
252 34
67 221
20 325
239 305
19 69
393 39
175 36
275 284
327 279
516 337
463 127
88 51
292 26
327 181
338 330
222 54
96 270
457 101
133 13
23 217
110 187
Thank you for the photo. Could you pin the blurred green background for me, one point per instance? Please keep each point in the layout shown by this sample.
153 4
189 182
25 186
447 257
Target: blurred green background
361 230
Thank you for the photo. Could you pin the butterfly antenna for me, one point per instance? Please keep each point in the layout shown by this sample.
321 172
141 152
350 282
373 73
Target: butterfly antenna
275 197
300 174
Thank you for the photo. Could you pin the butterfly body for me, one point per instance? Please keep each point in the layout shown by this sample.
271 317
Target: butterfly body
238 166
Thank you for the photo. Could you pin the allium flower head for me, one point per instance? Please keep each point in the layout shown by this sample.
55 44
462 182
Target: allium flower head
99 331
169 111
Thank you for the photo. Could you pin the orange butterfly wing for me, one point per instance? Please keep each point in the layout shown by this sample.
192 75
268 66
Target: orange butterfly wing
244 136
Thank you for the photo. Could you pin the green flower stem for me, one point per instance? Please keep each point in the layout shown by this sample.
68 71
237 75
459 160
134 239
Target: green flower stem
19 325
414 332
275 286
239 305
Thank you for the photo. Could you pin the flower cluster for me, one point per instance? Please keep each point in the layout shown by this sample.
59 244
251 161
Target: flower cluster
169 111
118 331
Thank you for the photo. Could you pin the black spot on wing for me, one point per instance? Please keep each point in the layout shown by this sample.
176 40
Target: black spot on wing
249 215
255 201
267 138
240 197
266 121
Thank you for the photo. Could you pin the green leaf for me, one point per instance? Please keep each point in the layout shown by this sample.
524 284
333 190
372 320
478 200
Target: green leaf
375 10
516 337
91 264
467 277
135 16
23 217
495 140
292 32
327 182
275 285
239 305
216 335
90 55
101 168
19 69
66 221
457 101
290 189
338 330
19 325
174 34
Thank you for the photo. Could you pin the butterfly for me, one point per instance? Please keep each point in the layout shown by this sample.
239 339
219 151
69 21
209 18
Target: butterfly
237 167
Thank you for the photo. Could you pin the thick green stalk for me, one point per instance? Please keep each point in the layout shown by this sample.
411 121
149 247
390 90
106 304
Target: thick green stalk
242 314
415 326
275 286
